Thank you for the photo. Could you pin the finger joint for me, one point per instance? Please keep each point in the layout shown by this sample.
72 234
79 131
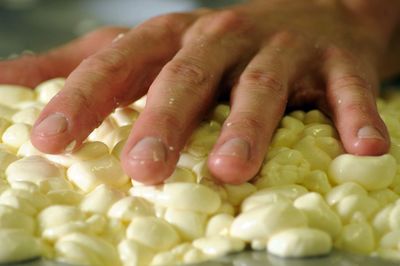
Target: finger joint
246 123
226 21
350 81
270 82
188 71
109 62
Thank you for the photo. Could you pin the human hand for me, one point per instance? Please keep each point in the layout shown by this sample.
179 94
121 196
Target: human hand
271 53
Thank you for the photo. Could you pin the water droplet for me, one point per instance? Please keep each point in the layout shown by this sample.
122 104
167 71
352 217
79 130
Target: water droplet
119 37
116 102
156 157
171 101
27 52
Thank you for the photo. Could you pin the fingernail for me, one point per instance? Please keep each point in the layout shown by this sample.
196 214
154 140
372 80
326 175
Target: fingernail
235 147
52 125
369 132
149 148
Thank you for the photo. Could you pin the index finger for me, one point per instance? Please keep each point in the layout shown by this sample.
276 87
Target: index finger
116 75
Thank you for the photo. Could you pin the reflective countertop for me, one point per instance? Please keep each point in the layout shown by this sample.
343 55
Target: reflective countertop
261 258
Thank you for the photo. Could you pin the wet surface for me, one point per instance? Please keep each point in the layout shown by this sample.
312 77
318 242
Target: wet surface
261 258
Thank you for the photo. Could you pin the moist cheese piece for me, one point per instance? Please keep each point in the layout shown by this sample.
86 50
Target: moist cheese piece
80 208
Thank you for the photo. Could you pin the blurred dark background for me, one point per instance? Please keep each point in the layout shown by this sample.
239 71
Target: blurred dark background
37 25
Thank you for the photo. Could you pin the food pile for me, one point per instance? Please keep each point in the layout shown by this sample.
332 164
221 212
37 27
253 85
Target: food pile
80 208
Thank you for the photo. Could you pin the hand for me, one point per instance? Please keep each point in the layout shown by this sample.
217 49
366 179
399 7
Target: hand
271 53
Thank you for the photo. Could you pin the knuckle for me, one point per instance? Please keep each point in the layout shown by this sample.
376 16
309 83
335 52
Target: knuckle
334 52
82 100
355 107
85 105
166 20
285 38
225 21
112 61
262 80
189 71
247 123
163 117
167 25
353 81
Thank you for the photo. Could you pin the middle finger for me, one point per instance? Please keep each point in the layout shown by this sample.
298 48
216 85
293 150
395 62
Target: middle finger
178 97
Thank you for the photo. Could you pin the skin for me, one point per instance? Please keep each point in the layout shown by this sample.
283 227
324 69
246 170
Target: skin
267 55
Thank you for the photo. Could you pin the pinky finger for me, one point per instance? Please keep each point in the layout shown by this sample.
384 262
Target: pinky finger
350 94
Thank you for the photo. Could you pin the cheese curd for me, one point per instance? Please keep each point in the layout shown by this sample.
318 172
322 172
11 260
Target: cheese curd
87 175
11 95
162 235
80 208
16 135
18 245
371 172
264 221
300 242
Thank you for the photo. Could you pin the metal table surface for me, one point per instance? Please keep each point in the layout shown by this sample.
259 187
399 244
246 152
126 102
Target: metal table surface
260 258
38 25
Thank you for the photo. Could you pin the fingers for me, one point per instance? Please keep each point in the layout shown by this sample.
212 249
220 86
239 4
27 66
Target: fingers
30 70
177 98
350 94
116 75
257 106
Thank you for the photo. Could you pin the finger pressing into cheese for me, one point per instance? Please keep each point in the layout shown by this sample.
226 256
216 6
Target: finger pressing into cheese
352 84
114 75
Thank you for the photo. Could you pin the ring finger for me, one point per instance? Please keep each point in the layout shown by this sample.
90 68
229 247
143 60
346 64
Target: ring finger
257 105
